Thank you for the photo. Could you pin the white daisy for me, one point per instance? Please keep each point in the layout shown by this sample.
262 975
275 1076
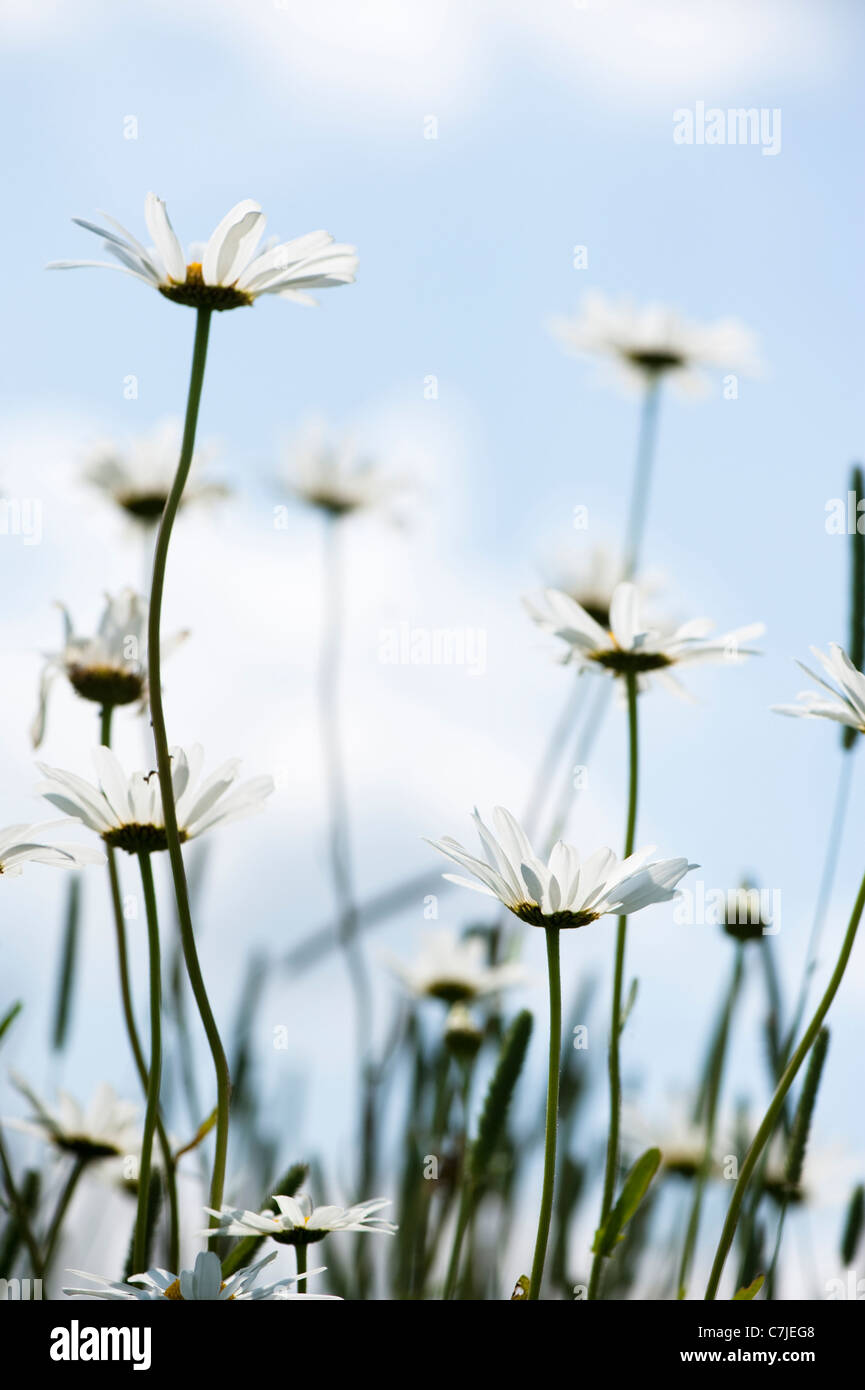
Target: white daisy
109 668
626 646
108 1128
463 1035
648 343
201 1284
681 1139
565 892
297 1222
846 704
225 273
127 811
334 477
137 475
591 578
454 969
19 845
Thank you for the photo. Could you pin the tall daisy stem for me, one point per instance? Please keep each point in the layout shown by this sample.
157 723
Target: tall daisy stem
612 1161
552 1117
151 1114
132 1029
163 761
642 474
711 1097
824 895
300 1252
767 1125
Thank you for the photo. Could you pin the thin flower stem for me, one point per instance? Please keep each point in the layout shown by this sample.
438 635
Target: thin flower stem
163 760
767 1125
824 894
300 1256
465 1207
552 1118
139 1247
712 1096
132 1029
78 1166
466 1191
642 474
612 1161
19 1210
339 839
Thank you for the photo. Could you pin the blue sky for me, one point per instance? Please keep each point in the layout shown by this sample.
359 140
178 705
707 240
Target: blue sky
554 129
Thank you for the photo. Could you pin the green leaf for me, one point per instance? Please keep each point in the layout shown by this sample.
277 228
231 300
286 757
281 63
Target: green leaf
499 1094
521 1289
68 964
804 1110
635 1188
853 1225
746 1294
628 1005
9 1018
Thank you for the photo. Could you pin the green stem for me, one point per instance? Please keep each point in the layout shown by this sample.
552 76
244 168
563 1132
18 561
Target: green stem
642 474
552 1119
712 1095
824 894
21 1214
466 1192
612 1161
132 1028
139 1247
459 1235
764 1133
300 1256
163 760
77 1169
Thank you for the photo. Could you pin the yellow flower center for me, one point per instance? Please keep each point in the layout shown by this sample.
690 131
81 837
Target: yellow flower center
197 294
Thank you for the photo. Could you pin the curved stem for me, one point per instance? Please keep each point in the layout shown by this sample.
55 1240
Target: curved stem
552 1119
139 1246
466 1191
824 894
163 760
77 1169
132 1028
764 1133
612 1161
642 474
712 1095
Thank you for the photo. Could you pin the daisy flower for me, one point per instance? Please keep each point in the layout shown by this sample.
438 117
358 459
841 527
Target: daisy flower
627 647
648 343
565 892
591 579
334 477
108 1128
201 1284
454 970
137 476
463 1036
226 272
680 1138
297 1222
109 668
19 845
127 811
846 698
